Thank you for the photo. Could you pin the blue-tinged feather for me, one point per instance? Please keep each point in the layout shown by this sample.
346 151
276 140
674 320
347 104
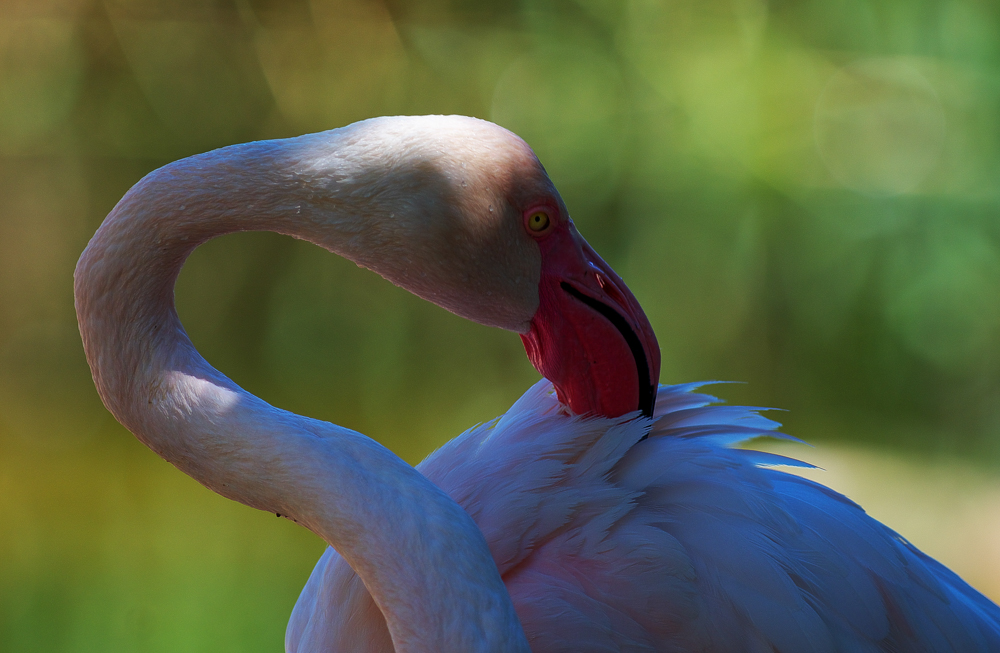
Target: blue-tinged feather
611 541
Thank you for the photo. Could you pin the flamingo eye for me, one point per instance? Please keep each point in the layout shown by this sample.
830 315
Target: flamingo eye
538 222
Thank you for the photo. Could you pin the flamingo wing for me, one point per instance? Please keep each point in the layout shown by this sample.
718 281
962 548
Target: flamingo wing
610 541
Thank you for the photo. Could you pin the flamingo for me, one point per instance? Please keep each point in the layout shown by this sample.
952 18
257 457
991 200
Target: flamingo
601 513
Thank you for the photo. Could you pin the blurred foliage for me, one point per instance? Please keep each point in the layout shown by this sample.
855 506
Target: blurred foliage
802 195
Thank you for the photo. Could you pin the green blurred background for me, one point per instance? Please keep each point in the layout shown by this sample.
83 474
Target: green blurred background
802 195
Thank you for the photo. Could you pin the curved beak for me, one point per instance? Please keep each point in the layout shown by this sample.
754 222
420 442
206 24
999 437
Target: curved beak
589 335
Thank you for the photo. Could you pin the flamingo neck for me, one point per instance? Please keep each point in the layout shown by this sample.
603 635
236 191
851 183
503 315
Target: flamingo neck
422 558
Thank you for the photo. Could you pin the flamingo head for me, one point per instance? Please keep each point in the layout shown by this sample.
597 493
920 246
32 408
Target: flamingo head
466 217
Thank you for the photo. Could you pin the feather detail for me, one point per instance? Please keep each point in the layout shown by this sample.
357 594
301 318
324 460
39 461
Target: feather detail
612 541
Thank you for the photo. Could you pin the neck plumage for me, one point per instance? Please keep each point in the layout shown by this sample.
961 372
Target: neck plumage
421 556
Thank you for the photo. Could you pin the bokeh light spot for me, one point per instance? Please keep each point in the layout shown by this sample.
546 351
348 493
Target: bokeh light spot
879 126
944 299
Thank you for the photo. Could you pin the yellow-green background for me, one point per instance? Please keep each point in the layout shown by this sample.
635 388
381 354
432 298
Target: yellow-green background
802 194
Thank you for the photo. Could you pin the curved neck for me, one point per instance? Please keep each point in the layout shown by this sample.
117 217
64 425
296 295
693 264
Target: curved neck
421 556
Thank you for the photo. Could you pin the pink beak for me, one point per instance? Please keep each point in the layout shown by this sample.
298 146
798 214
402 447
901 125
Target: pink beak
589 335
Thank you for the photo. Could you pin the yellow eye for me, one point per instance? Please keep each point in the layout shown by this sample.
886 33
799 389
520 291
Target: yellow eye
538 221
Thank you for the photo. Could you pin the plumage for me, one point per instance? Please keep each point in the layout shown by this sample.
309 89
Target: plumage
677 542
639 527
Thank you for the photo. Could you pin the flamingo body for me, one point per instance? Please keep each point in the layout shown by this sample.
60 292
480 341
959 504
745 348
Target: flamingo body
679 542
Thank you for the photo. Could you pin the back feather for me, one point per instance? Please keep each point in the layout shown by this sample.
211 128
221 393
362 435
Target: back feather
609 540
